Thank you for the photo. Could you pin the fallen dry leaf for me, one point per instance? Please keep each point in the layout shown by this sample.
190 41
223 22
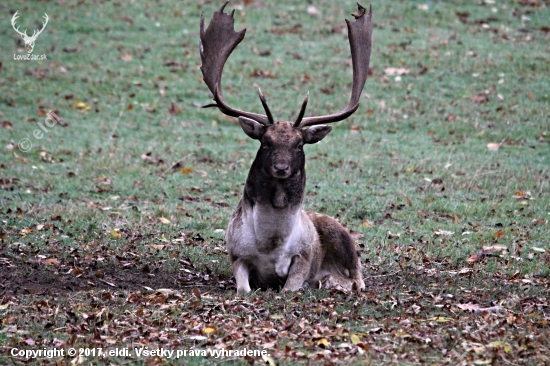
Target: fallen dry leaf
209 329
442 319
81 106
312 10
493 248
392 71
476 308
115 234
407 199
475 258
522 195
481 98
440 232
499 234
197 293
50 261
354 338
323 342
269 360
165 291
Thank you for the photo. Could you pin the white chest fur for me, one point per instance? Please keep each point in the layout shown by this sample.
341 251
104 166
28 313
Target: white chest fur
269 238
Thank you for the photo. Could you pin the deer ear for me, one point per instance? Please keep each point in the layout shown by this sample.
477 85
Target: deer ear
316 133
252 128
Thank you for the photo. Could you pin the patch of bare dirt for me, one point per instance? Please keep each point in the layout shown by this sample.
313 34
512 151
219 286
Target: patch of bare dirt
23 279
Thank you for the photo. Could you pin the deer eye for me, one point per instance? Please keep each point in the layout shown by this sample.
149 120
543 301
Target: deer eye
300 147
264 146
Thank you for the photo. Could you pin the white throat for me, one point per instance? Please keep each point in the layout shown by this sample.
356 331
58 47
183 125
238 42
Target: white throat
270 223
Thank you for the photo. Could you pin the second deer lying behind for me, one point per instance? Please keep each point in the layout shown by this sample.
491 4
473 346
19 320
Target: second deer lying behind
272 242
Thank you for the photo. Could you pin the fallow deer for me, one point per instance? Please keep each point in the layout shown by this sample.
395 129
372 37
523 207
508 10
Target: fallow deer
272 242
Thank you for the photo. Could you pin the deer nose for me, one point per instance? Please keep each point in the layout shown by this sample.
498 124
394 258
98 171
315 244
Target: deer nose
281 168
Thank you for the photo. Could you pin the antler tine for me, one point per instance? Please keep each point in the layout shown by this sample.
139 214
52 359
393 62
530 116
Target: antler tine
266 107
46 18
302 111
217 42
37 32
223 8
360 40
14 20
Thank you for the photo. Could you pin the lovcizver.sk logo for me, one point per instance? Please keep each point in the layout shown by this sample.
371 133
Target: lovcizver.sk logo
29 40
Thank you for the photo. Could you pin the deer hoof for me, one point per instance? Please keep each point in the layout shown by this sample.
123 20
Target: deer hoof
358 286
329 282
243 291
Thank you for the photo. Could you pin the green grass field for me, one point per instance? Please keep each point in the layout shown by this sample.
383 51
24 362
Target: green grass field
112 221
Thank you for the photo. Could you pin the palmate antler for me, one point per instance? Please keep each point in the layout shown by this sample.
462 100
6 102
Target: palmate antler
220 39
217 43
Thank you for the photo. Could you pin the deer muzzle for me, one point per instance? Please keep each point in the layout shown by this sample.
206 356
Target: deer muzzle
281 170
280 166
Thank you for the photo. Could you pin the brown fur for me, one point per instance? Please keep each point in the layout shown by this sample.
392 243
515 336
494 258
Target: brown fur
339 254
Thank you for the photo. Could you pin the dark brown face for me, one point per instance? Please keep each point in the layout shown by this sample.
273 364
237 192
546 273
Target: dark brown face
282 152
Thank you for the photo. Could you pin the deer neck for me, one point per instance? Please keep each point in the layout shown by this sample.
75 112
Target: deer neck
280 194
274 207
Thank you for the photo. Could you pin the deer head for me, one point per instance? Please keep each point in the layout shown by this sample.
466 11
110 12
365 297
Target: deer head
29 41
281 154
282 146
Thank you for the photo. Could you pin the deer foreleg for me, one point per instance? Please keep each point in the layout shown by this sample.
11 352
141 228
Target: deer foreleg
297 273
241 273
